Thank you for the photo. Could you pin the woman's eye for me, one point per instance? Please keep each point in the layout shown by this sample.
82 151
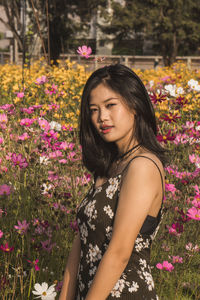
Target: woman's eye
92 110
110 105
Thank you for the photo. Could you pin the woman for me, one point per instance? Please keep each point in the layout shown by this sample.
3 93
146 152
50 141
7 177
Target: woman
120 215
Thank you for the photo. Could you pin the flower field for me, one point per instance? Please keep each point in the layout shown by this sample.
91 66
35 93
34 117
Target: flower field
42 179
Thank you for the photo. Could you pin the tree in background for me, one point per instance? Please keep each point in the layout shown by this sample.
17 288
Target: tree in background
173 26
57 22
13 23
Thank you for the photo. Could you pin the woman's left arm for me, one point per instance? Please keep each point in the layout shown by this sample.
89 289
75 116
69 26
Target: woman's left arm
141 186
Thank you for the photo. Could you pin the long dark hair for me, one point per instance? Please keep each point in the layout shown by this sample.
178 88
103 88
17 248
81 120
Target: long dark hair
97 154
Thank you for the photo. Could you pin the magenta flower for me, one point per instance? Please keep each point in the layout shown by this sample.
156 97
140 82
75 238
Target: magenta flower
176 229
5 189
41 80
1 234
26 122
6 248
74 225
52 90
47 245
20 95
22 227
194 213
1 140
35 264
50 135
165 265
165 137
170 117
177 259
19 160
155 98
84 51
3 118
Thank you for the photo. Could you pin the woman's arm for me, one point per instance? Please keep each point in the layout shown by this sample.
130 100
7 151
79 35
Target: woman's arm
140 189
69 281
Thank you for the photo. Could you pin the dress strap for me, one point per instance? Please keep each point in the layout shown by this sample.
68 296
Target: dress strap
126 167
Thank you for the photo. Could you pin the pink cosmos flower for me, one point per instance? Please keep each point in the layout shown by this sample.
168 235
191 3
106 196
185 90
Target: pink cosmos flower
23 137
66 145
44 124
170 187
19 160
6 106
5 189
47 245
192 248
35 264
22 227
26 122
74 225
63 161
1 140
84 51
50 135
175 229
1 234
41 80
194 213
177 259
29 110
52 90
20 94
3 118
55 154
6 248
165 265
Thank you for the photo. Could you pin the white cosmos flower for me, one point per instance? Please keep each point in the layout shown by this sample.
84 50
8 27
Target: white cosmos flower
55 125
194 85
43 292
44 160
171 89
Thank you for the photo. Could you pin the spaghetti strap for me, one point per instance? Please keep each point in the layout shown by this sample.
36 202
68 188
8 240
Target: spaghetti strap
126 167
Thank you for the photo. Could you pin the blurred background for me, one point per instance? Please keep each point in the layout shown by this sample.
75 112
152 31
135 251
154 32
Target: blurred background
142 34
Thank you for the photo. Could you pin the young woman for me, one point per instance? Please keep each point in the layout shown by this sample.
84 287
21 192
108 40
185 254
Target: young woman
120 215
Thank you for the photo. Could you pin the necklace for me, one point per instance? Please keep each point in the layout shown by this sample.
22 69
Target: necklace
134 148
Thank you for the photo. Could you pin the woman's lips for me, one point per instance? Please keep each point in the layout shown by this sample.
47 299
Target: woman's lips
107 129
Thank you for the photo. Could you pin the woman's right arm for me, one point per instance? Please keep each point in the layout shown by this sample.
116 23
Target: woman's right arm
70 276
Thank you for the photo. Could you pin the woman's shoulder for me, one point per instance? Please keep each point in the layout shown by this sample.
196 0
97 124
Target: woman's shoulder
147 161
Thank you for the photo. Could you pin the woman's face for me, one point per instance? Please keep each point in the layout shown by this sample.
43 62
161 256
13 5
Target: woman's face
110 116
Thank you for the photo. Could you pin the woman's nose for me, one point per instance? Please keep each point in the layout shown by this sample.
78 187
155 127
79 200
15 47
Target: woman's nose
103 115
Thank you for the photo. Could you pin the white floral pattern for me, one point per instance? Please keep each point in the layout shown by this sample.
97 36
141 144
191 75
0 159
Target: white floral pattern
108 211
112 188
95 219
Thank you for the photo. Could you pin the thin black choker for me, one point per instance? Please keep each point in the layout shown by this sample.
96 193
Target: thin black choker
129 151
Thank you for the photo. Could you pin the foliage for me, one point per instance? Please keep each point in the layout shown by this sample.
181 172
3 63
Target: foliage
173 26
42 178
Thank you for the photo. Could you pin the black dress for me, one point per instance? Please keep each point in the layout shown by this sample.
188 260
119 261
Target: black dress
95 219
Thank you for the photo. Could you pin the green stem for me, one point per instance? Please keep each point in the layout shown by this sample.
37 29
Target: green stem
30 284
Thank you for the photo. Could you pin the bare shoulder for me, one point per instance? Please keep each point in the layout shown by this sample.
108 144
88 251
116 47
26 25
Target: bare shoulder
144 163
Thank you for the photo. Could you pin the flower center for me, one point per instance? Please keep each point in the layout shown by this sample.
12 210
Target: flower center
44 293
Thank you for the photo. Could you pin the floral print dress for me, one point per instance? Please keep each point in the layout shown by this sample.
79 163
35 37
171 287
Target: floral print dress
95 218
